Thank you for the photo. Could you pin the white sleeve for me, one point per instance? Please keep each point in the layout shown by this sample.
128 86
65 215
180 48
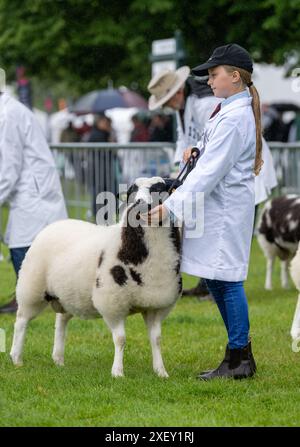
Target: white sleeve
11 157
221 153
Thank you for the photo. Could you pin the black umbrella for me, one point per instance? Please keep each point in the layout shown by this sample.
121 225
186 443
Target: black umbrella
98 101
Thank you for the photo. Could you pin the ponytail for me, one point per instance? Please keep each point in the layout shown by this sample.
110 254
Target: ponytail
257 116
246 79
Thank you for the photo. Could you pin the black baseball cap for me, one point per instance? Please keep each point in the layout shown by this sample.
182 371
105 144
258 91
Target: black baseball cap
231 54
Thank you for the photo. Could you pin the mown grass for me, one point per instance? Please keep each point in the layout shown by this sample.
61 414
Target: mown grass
83 393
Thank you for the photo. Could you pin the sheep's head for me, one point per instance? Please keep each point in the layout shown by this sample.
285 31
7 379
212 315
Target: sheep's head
146 193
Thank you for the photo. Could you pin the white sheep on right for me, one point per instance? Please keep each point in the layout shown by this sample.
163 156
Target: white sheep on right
295 275
89 270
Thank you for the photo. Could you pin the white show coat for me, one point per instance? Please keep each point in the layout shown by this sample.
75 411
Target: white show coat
196 114
224 173
28 177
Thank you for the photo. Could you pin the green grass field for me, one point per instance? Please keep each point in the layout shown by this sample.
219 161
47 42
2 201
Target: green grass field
83 393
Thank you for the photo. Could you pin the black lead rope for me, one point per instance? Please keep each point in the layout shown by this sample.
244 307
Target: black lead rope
189 166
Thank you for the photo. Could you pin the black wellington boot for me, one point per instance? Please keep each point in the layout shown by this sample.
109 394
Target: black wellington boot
239 366
225 361
222 365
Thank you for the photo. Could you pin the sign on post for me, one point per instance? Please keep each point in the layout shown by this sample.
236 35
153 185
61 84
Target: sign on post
167 53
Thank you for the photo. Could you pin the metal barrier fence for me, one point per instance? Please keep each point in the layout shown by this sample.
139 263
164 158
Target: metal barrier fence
86 169
286 158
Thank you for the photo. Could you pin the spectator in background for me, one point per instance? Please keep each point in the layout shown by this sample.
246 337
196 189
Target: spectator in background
101 131
104 164
69 134
29 181
140 132
161 128
192 100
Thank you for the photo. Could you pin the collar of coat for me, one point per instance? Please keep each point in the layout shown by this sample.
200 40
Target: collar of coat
241 102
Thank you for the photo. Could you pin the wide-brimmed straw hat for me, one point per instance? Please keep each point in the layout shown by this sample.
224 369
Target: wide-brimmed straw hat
165 84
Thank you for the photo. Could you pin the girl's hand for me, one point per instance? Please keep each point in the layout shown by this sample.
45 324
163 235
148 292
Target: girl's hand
188 152
156 215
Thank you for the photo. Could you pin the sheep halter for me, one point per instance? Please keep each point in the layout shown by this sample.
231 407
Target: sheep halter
189 166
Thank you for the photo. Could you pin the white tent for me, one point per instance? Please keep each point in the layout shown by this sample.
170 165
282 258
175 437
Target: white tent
272 85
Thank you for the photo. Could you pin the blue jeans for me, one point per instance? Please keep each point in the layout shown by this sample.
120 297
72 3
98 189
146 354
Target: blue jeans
17 256
232 303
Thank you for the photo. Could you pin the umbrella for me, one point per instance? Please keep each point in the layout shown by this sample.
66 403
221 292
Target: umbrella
98 101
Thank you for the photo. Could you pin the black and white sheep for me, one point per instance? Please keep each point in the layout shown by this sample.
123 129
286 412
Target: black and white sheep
88 270
279 234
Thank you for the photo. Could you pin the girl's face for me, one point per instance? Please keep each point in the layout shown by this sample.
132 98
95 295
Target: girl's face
224 84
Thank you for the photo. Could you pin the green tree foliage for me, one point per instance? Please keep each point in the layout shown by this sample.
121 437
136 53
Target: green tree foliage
81 44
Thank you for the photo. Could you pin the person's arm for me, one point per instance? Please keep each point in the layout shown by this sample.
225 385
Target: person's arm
220 155
11 156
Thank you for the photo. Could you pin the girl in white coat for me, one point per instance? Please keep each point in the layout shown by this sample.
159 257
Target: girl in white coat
230 157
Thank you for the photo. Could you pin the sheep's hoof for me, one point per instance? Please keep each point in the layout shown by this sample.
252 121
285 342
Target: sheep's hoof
295 336
59 361
162 373
117 372
16 361
268 287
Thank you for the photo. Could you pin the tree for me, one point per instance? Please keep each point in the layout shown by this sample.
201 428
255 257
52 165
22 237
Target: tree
81 44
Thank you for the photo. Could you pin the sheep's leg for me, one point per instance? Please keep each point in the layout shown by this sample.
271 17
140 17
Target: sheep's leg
295 330
153 321
284 275
18 340
270 265
118 332
59 337
24 315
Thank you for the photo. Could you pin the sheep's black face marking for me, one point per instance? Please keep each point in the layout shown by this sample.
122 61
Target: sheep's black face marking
158 193
100 259
133 249
136 277
158 187
119 275
171 182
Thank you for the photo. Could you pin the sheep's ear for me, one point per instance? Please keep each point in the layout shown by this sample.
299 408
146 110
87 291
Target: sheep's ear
171 181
